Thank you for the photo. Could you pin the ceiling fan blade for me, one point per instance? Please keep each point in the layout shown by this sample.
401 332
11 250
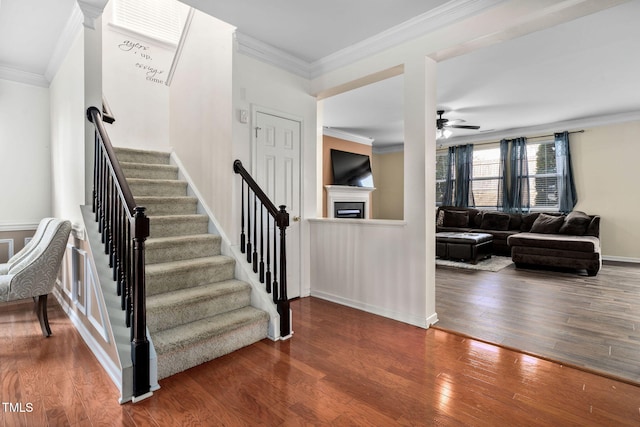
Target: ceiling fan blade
463 127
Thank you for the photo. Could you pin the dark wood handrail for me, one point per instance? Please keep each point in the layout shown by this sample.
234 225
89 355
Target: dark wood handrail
95 117
124 227
256 251
107 115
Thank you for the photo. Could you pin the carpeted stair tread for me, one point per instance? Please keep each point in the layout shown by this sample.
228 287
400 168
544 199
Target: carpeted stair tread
132 155
168 205
176 248
170 309
183 336
171 276
149 171
157 187
178 225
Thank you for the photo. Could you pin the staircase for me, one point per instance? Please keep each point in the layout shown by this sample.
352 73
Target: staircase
196 309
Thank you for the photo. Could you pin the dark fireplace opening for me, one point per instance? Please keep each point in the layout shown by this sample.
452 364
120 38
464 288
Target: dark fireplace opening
348 209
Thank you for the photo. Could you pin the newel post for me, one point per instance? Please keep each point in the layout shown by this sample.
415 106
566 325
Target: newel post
139 343
283 299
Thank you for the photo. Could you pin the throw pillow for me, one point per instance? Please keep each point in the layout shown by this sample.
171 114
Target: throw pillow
440 218
575 223
547 224
456 219
528 220
495 221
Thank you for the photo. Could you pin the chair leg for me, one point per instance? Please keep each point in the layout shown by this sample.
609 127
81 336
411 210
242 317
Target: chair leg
42 315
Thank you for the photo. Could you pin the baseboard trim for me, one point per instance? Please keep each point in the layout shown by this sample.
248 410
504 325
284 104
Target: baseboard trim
26 226
621 259
380 311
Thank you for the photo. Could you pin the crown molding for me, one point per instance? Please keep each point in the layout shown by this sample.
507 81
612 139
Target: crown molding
336 133
585 122
69 33
272 55
21 76
91 10
420 25
388 148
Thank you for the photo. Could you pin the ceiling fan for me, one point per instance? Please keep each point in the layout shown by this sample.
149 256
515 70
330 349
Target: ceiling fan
442 124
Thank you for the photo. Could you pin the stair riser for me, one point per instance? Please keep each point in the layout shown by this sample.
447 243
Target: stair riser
185 278
171 363
169 317
149 172
132 156
159 189
182 251
172 228
170 208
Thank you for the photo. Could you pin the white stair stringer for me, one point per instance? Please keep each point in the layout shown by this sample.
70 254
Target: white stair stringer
197 309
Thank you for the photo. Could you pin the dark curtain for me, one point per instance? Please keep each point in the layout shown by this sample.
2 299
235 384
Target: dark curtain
464 175
519 177
567 196
503 187
448 195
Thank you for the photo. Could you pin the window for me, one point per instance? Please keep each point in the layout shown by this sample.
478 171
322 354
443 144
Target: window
442 163
486 176
159 19
543 176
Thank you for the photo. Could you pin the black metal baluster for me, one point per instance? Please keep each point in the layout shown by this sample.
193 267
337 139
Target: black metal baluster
242 236
261 273
255 233
248 226
268 273
274 288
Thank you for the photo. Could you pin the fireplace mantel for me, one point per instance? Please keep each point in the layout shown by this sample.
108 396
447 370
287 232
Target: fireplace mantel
347 193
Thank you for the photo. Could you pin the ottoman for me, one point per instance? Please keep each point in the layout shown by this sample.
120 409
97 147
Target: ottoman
464 246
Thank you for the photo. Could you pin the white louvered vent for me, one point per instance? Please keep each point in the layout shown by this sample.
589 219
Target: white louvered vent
159 19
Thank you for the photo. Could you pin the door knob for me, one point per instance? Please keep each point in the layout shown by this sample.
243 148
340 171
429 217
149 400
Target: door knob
296 218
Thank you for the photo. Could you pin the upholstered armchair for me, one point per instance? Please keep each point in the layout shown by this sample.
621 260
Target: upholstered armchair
34 274
4 268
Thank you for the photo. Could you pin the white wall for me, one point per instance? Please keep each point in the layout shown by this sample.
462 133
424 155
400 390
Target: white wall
68 134
256 84
201 113
25 154
134 73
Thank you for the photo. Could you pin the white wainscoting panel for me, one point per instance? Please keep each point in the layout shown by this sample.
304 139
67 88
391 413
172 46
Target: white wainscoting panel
370 265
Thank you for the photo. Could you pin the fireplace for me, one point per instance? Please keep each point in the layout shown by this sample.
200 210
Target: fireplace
344 201
348 210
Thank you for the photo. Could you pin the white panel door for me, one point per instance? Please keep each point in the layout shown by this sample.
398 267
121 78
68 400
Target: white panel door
277 171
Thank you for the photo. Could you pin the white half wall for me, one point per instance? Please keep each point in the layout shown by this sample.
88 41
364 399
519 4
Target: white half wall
25 159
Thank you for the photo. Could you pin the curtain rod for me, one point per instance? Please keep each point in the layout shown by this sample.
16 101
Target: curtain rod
442 146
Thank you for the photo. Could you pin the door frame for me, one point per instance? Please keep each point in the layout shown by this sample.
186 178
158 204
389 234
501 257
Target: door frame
255 109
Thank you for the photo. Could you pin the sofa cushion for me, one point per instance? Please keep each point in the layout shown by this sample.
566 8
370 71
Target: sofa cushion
547 224
594 227
455 219
575 223
495 221
439 218
555 241
515 221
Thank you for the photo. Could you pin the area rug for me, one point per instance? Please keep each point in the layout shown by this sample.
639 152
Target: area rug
495 263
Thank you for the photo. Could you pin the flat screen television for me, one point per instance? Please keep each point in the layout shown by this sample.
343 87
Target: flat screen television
351 169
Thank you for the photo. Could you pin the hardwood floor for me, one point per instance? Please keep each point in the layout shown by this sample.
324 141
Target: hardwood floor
342 367
590 322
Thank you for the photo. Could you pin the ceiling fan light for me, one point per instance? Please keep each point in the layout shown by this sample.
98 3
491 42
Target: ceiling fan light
446 133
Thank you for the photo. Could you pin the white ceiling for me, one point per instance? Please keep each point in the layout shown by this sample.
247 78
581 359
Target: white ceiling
29 32
584 68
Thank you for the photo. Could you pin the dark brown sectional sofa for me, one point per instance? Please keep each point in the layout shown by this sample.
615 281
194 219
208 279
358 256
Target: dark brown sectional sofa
536 239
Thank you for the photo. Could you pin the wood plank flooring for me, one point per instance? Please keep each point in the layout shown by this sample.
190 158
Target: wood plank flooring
590 322
342 367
